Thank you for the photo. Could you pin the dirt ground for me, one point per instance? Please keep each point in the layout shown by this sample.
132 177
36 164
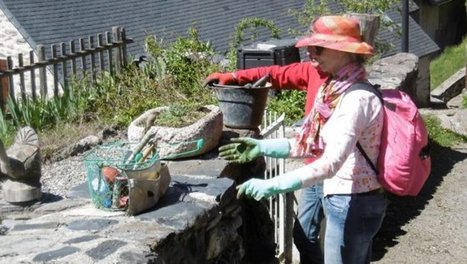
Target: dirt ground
432 227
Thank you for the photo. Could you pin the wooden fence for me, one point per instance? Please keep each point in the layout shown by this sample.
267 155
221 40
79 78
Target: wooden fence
85 58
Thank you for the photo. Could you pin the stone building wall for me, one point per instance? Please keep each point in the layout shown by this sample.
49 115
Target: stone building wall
13 43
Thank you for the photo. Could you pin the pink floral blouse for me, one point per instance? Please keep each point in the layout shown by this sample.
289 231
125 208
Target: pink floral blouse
344 170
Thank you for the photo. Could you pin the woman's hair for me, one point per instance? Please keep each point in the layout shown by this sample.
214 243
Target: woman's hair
359 58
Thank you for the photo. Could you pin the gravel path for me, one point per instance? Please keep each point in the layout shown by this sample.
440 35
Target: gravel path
59 177
429 228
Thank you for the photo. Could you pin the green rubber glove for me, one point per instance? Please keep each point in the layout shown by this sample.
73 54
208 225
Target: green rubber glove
243 150
260 189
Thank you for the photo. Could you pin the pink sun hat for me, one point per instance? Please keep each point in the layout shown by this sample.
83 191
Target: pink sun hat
337 33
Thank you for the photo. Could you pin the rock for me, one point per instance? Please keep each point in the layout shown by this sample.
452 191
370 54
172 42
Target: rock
21 163
399 71
18 192
188 141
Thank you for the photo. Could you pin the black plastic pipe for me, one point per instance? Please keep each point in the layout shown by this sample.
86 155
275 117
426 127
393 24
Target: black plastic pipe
405 26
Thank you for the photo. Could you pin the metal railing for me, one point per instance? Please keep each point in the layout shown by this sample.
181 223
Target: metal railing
281 207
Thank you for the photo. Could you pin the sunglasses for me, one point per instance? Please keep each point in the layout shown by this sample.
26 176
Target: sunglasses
317 50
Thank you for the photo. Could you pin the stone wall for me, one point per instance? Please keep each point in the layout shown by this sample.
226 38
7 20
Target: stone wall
13 43
400 71
452 87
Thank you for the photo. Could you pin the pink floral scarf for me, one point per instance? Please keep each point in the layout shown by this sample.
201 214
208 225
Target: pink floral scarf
308 140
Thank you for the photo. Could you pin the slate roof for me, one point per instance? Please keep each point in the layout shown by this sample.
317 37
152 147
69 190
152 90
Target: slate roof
420 43
53 21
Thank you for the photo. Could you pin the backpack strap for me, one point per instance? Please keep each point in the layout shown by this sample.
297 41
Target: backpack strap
367 158
367 86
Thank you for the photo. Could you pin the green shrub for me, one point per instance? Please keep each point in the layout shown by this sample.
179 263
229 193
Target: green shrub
291 103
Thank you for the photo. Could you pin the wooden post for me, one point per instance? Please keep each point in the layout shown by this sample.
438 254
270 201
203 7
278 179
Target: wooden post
108 38
33 76
100 45
369 26
73 60
11 84
118 52
82 50
3 84
64 66
93 60
55 68
21 77
124 55
42 71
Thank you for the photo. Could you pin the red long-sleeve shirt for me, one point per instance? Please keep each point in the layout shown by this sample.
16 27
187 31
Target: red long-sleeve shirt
297 76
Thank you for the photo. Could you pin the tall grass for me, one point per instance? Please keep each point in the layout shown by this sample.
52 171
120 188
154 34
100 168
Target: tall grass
449 62
441 135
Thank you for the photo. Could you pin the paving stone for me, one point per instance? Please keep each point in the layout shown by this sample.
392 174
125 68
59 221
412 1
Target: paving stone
79 191
210 168
55 254
92 224
178 216
60 205
81 239
23 227
132 257
3 230
73 230
105 248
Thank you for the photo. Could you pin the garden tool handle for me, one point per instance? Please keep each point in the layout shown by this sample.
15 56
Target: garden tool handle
261 81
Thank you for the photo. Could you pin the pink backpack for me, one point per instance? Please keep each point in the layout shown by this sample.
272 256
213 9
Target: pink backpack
404 163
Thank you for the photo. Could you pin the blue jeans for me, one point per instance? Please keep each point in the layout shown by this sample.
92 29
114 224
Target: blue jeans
307 225
351 223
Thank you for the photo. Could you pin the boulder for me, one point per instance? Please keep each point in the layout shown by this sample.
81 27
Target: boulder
173 143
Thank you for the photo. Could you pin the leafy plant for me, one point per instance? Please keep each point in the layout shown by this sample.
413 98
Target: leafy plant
368 6
181 115
6 130
310 11
252 25
291 102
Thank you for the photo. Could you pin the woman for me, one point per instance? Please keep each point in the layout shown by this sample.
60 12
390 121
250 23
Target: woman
354 203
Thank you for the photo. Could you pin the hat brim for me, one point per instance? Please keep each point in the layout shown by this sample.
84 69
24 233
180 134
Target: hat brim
346 46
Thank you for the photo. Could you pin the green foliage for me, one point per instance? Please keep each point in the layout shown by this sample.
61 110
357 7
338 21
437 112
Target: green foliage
311 10
180 115
188 60
118 99
368 6
6 130
449 62
250 25
291 102
173 74
42 112
442 136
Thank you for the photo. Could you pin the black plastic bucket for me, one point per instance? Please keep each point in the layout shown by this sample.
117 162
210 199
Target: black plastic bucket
242 107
